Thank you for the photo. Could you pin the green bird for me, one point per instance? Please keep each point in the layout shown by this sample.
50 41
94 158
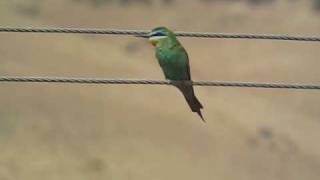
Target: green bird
174 62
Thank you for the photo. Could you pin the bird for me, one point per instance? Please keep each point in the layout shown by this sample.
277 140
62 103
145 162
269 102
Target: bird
174 62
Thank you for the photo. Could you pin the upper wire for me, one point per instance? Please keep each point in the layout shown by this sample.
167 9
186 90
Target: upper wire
143 33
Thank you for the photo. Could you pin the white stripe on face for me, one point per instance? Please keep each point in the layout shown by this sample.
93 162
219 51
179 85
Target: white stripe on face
156 38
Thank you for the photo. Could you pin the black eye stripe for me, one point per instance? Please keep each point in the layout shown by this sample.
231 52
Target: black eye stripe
158 34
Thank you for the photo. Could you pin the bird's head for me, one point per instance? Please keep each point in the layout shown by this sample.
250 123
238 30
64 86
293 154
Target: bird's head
160 34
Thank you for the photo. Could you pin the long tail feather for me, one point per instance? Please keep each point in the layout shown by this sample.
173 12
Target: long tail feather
195 105
192 100
200 114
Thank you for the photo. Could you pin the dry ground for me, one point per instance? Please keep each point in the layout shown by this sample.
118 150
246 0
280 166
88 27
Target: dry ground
75 132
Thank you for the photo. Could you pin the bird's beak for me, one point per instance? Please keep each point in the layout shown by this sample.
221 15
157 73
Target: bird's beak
142 36
150 34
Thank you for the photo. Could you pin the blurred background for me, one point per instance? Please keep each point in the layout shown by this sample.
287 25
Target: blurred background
68 131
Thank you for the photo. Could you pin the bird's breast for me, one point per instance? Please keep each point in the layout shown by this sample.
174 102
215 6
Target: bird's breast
170 64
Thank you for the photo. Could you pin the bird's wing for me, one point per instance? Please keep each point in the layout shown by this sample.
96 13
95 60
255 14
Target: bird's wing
188 68
185 63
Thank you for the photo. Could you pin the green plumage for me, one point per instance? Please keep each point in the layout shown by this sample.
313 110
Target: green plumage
174 62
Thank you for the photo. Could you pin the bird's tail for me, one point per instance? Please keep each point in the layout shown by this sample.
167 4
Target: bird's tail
192 100
195 105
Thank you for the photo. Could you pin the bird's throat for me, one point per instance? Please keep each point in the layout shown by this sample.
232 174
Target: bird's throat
154 43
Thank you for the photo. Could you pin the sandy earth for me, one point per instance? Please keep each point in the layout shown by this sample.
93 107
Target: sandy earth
55 131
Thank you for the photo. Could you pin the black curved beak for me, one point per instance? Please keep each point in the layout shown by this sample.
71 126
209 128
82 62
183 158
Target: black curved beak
142 36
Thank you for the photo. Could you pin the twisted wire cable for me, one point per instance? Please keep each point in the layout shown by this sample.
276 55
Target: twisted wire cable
143 33
156 82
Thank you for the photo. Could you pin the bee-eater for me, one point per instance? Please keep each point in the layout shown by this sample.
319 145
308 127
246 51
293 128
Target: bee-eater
174 62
